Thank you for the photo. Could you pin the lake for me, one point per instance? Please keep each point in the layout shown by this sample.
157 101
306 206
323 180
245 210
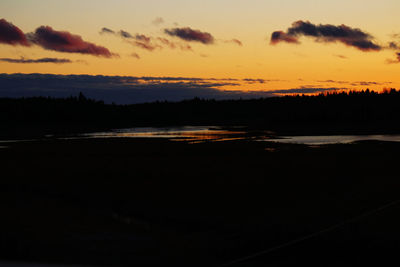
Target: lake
215 133
184 133
333 139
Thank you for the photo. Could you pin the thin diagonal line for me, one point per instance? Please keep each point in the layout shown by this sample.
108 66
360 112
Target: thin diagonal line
304 238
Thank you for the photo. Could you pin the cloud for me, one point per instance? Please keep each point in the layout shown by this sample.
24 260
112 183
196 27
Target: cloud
235 41
139 40
174 45
40 60
189 34
158 21
280 36
394 61
125 34
327 33
131 90
11 35
144 42
355 83
107 31
167 42
334 81
341 56
147 42
305 90
122 90
62 41
135 55
254 81
367 83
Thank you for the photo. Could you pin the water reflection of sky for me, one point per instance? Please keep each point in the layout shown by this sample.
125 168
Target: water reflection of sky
333 139
199 134
188 133
196 134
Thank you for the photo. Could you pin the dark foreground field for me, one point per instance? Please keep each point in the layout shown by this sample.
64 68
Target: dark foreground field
152 202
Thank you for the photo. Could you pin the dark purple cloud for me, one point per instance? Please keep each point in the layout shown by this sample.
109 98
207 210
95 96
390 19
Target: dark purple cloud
107 31
394 61
11 35
40 60
280 36
142 38
327 33
189 34
63 41
125 34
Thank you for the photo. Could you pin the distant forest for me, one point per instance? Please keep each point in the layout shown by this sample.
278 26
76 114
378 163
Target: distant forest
335 112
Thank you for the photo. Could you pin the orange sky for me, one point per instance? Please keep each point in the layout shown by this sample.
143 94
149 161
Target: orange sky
310 64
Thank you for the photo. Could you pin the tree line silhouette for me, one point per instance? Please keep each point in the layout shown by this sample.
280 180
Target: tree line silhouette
348 110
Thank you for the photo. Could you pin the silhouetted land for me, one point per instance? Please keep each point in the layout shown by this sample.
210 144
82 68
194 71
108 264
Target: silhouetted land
153 202
333 113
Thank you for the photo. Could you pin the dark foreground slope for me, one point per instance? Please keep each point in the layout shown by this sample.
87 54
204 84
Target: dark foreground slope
150 202
353 112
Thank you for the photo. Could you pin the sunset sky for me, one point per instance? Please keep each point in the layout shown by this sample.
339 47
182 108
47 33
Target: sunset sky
210 39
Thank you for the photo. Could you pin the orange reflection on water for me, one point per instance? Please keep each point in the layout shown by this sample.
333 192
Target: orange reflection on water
194 135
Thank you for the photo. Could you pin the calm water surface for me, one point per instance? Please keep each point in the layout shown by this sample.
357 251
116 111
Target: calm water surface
333 139
215 133
186 133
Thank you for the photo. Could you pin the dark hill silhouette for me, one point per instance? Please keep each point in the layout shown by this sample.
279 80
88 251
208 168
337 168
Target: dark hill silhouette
345 112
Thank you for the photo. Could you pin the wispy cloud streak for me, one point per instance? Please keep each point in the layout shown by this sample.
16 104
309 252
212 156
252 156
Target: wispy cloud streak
234 41
189 34
33 61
